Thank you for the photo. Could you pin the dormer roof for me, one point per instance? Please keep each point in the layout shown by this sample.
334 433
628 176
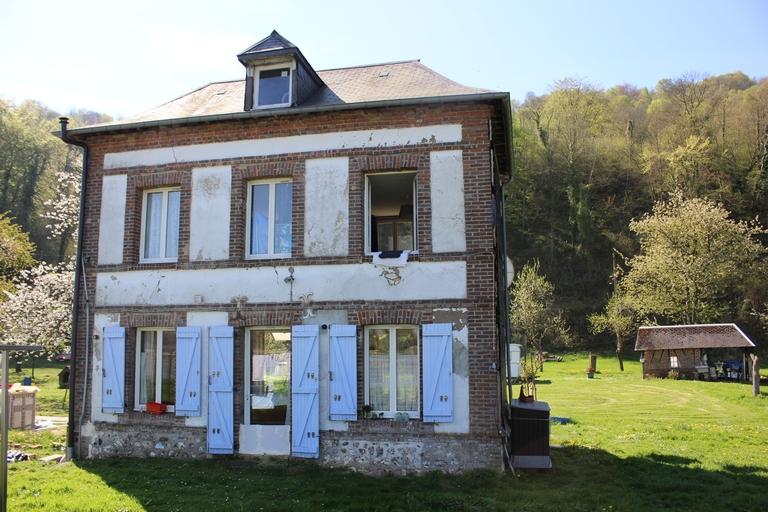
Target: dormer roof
271 44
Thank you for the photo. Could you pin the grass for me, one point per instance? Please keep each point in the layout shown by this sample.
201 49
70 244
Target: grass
632 445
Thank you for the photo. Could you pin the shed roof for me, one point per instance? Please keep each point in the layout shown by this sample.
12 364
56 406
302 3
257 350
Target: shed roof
673 337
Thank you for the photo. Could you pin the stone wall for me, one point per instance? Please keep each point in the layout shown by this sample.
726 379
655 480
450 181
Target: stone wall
406 453
110 440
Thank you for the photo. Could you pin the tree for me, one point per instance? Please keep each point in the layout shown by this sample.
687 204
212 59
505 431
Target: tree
619 317
694 261
39 310
62 211
15 252
535 319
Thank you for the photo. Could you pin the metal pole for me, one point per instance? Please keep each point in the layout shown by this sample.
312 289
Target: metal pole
4 440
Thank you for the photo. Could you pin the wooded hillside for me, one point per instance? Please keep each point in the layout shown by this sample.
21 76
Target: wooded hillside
589 160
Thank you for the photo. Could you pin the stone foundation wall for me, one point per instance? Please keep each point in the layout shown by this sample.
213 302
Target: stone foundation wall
115 440
381 453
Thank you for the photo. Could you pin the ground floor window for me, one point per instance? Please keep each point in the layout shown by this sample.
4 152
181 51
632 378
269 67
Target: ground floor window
392 369
673 362
268 376
156 367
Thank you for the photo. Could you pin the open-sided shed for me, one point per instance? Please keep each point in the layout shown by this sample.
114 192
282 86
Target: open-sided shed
684 348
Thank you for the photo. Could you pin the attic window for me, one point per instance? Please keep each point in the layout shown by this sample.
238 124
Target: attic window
273 87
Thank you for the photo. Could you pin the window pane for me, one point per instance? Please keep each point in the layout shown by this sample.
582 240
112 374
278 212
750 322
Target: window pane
259 218
154 216
270 377
283 218
386 236
407 370
172 225
378 369
274 87
168 371
404 236
147 362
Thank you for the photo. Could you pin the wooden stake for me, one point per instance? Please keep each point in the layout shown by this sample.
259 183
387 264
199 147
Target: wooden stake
755 375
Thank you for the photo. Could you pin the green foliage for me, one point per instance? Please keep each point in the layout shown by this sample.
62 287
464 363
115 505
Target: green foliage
532 311
694 261
15 252
588 161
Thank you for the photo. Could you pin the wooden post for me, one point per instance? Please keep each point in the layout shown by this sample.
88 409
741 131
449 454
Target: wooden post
593 361
755 375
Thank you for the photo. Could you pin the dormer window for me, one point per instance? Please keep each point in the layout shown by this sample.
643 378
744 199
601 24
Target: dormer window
273 87
277 75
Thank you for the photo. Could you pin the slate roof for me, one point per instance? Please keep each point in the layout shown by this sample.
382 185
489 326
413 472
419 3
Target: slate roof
377 82
273 41
675 337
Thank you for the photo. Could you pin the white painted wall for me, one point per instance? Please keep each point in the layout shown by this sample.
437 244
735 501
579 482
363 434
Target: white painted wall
100 321
112 219
326 207
209 213
204 319
349 282
434 134
460 423
446 180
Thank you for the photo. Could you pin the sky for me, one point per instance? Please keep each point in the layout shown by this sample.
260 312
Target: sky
122 58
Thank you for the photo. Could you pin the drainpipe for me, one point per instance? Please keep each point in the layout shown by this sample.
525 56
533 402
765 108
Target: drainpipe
76 296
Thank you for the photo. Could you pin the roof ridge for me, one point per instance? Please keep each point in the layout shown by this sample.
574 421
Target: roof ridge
372 65
686 325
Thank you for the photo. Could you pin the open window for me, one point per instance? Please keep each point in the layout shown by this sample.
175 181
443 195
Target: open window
391 212
268 376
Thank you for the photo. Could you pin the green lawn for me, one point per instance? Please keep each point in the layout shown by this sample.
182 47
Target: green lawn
50 398
632 445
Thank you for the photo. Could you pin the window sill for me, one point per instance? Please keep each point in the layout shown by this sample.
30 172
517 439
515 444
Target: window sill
266 107
250 257
390 426
158 260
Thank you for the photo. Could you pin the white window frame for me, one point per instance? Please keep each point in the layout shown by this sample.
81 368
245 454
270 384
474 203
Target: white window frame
674 362
163 225
256 78
247 370
158 368
393 369
270 221
367 210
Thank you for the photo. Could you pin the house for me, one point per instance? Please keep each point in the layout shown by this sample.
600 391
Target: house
689 349
301 263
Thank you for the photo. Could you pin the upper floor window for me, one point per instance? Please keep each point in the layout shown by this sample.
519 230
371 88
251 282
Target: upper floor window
155 367
268 221
391 212
273 87
160 225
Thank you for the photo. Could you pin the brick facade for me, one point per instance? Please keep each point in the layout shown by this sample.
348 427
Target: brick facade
480 302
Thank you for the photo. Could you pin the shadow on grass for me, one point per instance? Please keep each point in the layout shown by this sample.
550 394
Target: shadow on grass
582 480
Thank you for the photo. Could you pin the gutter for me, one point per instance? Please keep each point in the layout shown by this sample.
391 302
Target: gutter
64 135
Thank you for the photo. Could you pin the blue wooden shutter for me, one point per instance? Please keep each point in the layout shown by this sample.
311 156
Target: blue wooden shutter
437 361
305 370
343 376
113 370
221 431
188 341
